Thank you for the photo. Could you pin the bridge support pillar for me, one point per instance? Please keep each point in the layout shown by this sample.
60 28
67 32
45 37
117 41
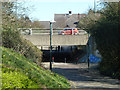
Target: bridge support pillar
58 48
61 49
71 48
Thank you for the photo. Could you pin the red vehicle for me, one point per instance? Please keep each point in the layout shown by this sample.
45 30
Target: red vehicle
69 31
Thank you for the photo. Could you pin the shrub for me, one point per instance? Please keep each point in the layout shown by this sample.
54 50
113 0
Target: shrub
14 79
106 33
17 80
12 39
10 35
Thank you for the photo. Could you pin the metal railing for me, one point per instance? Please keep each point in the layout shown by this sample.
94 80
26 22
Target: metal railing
43 31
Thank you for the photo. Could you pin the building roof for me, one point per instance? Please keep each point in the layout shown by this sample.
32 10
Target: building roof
63 21
45 24
67 20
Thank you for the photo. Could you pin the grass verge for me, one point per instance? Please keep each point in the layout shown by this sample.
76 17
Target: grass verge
20 72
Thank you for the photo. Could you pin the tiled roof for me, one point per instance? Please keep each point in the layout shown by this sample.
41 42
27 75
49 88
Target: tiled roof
45 24
64 20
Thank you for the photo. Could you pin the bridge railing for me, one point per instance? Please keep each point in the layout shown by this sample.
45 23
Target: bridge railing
43 31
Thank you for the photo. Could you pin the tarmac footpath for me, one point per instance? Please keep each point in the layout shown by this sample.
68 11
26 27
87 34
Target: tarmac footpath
81 77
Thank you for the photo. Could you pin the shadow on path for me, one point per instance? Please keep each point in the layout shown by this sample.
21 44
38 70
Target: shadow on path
71 74
81 77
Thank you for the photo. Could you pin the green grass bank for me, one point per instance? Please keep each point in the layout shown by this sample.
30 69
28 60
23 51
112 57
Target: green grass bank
20 72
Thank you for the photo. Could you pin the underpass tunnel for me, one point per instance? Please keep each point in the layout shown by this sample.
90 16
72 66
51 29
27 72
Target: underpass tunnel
64 53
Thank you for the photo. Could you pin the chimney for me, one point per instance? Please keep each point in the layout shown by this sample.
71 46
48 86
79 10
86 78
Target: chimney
70 12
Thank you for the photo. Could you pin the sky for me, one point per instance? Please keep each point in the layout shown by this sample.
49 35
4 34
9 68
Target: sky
44 10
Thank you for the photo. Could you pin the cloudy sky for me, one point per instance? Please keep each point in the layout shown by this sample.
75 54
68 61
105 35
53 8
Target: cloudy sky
44 10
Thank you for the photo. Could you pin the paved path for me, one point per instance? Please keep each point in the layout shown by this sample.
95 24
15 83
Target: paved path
80 77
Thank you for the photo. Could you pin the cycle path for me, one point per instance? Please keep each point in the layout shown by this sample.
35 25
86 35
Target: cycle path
81 77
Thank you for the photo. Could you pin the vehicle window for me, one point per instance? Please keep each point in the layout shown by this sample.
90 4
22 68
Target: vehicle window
67 29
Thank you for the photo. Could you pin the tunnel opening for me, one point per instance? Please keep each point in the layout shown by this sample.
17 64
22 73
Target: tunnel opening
68 54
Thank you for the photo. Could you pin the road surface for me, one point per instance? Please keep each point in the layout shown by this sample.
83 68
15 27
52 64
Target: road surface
80 77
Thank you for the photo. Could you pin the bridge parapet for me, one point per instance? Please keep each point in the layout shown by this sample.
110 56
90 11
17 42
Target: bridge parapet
43 31
65 40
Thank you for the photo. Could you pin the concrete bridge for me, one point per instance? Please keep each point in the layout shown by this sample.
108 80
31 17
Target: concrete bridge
57 40
41 37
